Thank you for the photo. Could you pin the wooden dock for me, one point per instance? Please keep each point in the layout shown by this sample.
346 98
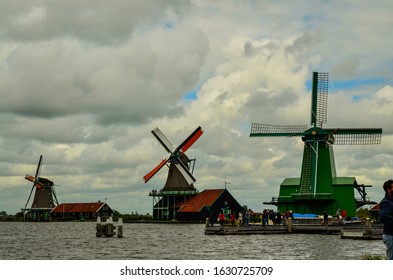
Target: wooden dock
368 232
241 230
272 229
371 231
361 235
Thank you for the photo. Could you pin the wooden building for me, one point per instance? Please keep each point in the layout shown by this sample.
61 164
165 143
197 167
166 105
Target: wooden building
81 211
208 204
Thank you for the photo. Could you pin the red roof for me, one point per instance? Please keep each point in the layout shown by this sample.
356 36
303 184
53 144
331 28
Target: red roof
91 207
204 199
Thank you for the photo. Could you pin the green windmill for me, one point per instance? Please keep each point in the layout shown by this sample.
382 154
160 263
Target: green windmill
318 188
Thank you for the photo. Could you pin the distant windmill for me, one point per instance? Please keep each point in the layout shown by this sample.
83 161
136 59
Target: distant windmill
319 189
179 183
44 198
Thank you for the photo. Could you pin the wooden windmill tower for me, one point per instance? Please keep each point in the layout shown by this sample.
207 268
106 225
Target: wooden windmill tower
179 184
318 188
44 197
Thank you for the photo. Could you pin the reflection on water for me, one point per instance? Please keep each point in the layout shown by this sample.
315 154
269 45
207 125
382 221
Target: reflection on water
77 240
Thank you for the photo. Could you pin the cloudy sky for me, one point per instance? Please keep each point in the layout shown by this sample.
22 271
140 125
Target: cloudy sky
84 82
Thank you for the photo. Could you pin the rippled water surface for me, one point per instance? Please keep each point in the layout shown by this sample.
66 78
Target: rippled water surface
77 241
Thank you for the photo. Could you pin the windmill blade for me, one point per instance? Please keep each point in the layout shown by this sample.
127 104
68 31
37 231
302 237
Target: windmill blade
149 175
27 202
39 182
319 98
35 179
264 130
30 178
54 195
163 140
184 171
356 136
37 173
183 147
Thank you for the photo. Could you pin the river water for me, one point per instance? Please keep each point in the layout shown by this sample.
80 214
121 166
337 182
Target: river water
77 241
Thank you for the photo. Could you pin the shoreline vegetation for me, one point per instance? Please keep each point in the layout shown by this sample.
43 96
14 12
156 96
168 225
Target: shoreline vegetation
126 218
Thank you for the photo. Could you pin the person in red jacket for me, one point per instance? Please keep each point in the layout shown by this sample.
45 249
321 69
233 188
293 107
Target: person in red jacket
233 219
344 216
221 218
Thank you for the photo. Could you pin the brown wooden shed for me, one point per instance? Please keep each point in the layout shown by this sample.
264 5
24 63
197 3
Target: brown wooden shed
81 211
208 204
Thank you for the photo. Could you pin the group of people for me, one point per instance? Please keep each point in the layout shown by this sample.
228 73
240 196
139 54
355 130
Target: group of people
275 218
268 217
243 218
339 215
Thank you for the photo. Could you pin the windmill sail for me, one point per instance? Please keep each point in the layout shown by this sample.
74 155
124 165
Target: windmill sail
319 98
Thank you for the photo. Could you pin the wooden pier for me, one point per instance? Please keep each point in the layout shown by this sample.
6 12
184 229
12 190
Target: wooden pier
371 231
368 232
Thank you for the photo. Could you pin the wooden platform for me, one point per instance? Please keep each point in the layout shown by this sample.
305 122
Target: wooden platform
362 234
362 231
240 230
273 229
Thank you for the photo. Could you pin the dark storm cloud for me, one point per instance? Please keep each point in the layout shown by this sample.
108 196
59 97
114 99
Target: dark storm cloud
132 83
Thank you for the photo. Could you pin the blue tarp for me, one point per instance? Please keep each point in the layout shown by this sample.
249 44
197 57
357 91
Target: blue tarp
297 215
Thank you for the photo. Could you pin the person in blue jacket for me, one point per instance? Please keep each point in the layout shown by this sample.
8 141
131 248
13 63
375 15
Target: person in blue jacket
386 217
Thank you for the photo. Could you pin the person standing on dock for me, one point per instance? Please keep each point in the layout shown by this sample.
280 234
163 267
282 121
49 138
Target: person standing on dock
325 218
291 216
247 218
221 219
265 215
386 217
240 218
212 218
338 214
233 219
343 216
278 218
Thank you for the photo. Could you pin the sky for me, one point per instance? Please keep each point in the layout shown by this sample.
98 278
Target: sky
83 83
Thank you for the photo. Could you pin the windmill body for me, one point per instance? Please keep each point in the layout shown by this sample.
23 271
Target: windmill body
175 180
318 188
44 196
179 183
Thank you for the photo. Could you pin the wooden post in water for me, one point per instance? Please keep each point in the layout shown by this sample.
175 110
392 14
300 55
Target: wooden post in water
368 227
120 227
109 227
99 227
289 224
207 223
